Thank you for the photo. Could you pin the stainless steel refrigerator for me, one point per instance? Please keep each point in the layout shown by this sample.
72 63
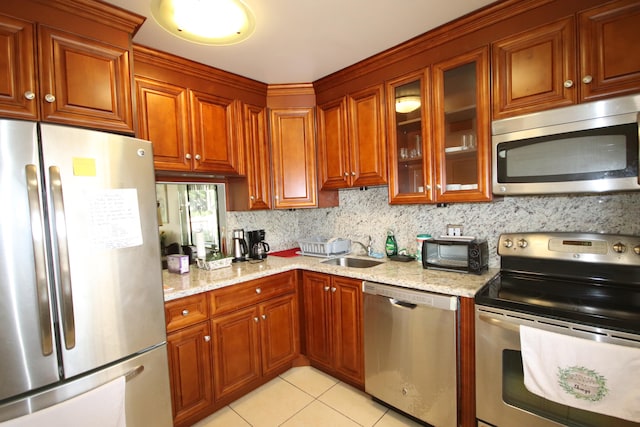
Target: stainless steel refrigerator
81 299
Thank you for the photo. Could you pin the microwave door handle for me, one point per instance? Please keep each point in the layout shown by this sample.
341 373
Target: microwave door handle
500 323
66 297
37 235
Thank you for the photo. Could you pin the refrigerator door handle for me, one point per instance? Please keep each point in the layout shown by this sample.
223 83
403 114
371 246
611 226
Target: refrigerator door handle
37 235
66 297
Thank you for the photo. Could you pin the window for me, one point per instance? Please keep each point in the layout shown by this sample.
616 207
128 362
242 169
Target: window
184 209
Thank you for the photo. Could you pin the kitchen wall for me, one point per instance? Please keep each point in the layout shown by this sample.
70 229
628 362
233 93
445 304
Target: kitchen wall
363 213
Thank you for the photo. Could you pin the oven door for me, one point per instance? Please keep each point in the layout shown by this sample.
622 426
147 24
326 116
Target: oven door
501 397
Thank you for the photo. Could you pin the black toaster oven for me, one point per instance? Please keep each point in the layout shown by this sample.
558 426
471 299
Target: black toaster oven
456 254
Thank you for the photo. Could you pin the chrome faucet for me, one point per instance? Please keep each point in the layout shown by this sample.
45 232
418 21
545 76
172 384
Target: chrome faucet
368 249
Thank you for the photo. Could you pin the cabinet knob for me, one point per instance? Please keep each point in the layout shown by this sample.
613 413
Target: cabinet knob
353 173
207 338
255 319
333 289
49 98
428 187
439 187
198 157
258 290
587 79
29 95
326 288
619 248
252 198
185 312
568 83
264 317
346 174
187 156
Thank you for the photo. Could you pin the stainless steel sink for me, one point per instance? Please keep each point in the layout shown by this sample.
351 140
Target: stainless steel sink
352 262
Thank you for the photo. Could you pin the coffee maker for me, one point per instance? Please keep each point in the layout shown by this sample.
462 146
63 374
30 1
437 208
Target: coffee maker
240 250
258 248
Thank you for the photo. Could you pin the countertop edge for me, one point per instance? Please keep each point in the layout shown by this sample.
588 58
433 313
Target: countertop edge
403 274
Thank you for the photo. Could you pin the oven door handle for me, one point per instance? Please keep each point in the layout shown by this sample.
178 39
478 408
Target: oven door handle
500 323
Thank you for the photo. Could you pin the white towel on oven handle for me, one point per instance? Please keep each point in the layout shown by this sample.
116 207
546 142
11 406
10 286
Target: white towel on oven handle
595 376
103 406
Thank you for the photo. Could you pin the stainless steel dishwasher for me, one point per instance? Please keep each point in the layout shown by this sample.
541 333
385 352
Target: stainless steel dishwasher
410 351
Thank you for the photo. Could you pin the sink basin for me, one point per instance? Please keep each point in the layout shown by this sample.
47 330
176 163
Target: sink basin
352 262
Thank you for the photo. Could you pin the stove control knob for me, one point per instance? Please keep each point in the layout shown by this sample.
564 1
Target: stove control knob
619 247
508 243
636 249
523 243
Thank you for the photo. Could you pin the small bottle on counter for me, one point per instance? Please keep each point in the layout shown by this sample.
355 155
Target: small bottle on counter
391 246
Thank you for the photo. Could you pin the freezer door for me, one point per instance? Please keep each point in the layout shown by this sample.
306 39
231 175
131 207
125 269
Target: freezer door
147 395
106 249
28 356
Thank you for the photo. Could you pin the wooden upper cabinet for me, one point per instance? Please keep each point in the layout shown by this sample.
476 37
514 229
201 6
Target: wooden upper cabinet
410 139
254 192
334 165
82 81
535 69
571 60
18 85
609 59
163 120
294 157
214 131
352 140
367 134
461 128
190 130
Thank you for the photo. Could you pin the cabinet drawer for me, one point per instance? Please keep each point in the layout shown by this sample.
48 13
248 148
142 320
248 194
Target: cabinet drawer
249 293
186 311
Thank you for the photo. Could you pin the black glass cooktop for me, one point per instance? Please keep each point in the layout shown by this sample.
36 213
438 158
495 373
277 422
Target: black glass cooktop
608 305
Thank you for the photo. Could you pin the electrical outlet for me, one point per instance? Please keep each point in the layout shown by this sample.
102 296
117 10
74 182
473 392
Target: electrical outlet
454 230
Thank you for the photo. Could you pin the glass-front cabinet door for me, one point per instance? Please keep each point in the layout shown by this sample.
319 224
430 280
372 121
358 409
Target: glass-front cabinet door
410 157
461 128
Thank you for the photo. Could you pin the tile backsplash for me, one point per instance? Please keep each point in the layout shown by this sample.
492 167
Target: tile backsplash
368 213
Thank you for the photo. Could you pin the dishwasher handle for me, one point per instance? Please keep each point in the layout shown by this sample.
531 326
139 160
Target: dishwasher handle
406 296
402 304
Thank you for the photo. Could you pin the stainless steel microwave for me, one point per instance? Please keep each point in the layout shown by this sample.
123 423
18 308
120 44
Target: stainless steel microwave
585 148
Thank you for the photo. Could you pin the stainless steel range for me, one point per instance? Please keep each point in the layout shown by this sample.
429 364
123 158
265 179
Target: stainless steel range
572 284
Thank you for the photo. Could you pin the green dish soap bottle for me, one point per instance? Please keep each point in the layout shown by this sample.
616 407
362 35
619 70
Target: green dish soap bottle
391 246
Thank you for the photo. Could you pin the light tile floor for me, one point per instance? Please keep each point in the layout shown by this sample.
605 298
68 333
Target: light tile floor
305 397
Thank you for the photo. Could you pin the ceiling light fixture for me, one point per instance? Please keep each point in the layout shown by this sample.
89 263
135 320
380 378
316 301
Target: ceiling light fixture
211 22
407 104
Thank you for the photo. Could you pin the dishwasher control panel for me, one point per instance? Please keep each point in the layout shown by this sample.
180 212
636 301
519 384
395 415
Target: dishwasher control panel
411 296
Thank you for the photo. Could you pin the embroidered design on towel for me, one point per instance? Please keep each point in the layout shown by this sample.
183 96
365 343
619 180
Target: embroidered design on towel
583 383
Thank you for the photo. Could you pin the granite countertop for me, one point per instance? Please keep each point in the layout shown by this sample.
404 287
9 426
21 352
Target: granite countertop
405 274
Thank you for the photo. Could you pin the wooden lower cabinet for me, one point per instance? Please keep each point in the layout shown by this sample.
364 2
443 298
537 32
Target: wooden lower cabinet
333 325
190 371
227 342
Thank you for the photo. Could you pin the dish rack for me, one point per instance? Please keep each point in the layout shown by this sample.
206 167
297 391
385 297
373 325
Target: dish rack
214 264
325 247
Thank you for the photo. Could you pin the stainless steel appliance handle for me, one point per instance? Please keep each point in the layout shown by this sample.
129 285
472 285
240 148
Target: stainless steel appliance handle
134 372
638 122
500 323
37 235
66 297
402 304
